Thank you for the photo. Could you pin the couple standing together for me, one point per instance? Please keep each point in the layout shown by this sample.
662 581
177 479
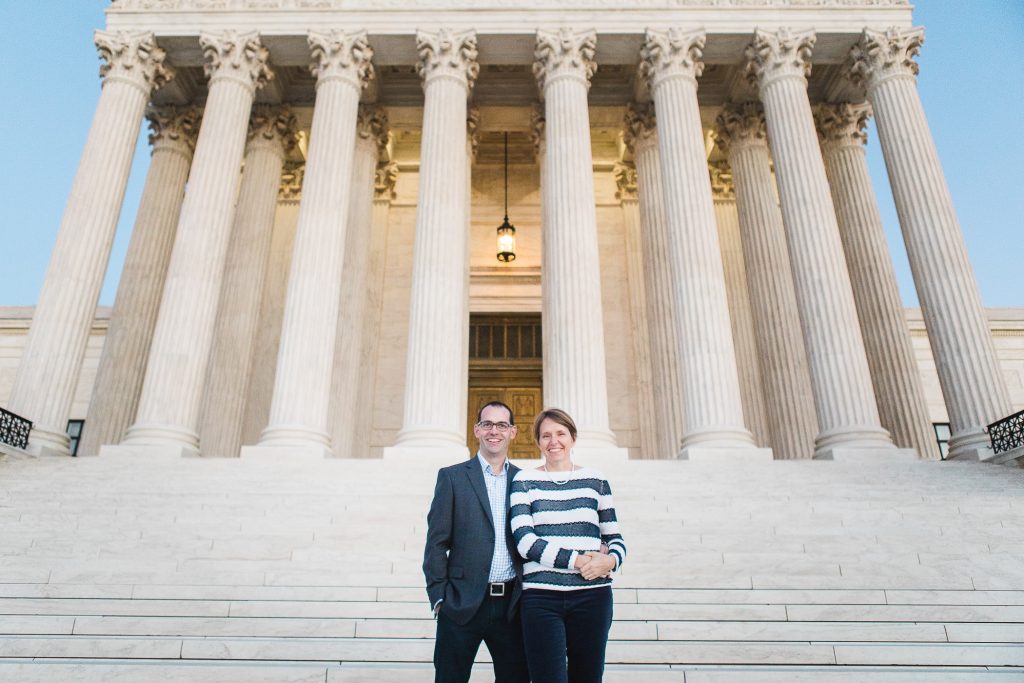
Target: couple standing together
521 559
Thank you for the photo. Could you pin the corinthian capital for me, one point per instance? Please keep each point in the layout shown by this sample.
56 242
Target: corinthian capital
778 55
639 124
372 124
537 123
881 54
666 54
564 53
345 56
473 129
740 124
385 179
447 54
625 181
273 126
132 58
842 123
239 57
722 187
174 127
292 175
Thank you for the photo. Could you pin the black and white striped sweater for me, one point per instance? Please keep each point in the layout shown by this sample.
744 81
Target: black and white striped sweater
553 523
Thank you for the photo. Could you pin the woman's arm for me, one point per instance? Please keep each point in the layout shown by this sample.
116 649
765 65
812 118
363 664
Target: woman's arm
609 524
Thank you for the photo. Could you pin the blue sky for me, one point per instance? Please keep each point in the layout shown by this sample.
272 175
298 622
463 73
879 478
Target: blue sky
971 83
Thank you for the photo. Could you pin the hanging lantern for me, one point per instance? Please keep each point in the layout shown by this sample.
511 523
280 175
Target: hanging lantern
506 231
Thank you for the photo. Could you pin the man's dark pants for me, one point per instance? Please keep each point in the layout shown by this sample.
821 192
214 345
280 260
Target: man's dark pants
457 645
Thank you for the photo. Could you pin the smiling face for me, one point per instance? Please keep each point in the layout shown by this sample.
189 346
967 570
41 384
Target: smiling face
556 444
493 442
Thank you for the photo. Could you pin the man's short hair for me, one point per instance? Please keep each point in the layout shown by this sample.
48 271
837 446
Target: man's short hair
496 404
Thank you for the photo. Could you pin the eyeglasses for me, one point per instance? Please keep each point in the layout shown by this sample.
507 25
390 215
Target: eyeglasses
486 425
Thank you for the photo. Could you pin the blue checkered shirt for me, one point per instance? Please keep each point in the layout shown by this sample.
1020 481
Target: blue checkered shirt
501 562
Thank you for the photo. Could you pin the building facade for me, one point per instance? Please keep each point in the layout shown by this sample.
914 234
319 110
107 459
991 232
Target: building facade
700 269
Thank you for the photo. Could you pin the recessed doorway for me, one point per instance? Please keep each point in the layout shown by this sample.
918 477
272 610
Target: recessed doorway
505 365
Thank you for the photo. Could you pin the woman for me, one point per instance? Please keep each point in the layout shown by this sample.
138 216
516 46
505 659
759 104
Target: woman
562 513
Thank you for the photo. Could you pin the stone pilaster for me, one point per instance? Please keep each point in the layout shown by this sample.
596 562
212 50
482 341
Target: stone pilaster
352 334
574 357
671 62
168 413
272 134
666 381
883 326
737 290
302 384
789 401
122 367
778 64
433 418
50 364
973 387
626 181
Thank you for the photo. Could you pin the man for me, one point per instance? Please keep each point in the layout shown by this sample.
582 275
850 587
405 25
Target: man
473 572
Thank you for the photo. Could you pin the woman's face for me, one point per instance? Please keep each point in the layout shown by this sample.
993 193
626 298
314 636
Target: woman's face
555 442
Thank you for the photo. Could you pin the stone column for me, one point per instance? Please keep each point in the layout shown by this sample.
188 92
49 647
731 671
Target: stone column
45 383
647 421
305 360
883 326
115 395
168 414
740 317
789 401
371 139
671 63
272 134
574 357
433 382
972 384
778 63
666 380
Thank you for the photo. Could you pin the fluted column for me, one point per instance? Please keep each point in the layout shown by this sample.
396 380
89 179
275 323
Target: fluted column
574 358
627 194
115 394
737 290
671 62
666 381
894 371
778 64
371 138
972 384
434 369
272 134
789 401
302 383
168 413
50 364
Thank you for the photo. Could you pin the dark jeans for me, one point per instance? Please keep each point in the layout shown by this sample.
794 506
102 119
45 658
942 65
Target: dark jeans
456 645
560 624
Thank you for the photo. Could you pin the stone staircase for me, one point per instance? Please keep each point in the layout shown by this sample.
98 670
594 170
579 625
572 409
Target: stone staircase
137 569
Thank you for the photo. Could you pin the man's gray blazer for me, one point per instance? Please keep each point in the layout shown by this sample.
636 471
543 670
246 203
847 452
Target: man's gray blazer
460 541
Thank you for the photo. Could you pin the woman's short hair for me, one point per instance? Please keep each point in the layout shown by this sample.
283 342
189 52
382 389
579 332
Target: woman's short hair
556 415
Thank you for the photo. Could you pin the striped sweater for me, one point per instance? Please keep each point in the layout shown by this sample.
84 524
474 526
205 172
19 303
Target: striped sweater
553 523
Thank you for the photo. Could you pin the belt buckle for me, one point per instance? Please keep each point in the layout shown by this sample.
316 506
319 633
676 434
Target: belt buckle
497 590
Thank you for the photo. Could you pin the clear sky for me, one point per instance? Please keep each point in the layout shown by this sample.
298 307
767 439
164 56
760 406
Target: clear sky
971 82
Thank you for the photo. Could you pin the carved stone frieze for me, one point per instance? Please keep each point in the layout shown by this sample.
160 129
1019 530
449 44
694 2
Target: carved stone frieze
372 122
274 124
740 124
133 58
158 5
778 55
175 126
842 123
722 187
640 124
338 54
881 54
670 53
625 181
292 175
236 56
447 53
564 53
385 179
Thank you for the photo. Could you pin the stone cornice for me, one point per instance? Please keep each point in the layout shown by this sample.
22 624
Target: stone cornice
163 5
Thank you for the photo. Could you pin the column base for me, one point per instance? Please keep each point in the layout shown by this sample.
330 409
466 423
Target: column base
870 437
294 436
161 436
48 443
168 451
725 454
429 437
972 444
432 456
304 452
865 454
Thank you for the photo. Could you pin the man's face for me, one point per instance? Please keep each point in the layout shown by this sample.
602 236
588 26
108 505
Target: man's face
493 441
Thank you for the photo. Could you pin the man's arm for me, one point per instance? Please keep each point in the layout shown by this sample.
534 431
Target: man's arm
439 539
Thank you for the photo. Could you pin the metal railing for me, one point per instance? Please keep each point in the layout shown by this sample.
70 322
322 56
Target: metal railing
1007 434
14 429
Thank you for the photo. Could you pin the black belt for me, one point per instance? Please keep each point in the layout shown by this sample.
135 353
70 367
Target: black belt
500 589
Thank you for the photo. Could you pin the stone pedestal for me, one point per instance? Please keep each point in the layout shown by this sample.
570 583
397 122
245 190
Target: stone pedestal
52 360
